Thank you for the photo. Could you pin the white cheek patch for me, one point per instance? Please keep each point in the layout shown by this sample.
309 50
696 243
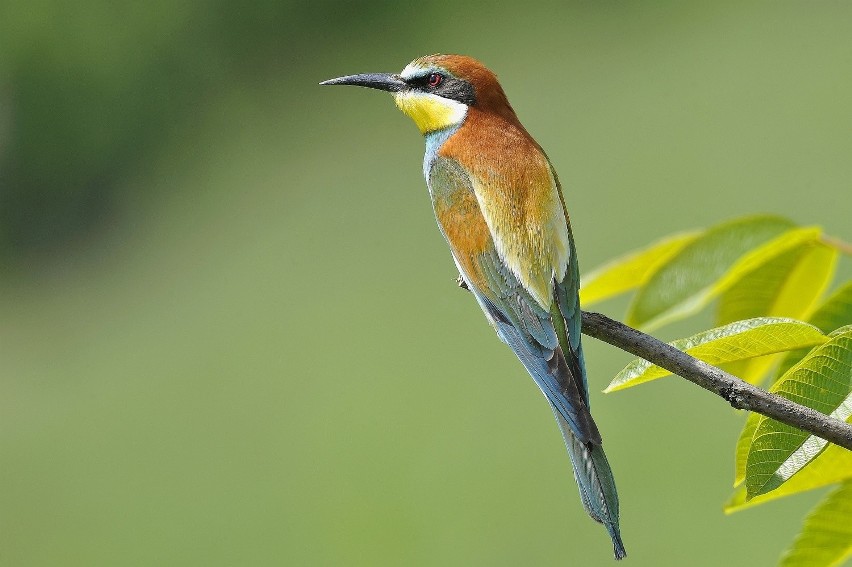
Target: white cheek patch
411 71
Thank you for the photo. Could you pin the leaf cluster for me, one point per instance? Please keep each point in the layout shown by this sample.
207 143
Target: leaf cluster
776 327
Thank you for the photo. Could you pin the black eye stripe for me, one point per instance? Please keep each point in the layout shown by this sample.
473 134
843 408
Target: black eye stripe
421 80
446 86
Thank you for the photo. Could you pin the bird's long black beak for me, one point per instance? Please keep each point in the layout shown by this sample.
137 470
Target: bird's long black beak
380 81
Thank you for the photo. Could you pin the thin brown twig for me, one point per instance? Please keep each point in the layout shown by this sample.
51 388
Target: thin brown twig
841 245
738 393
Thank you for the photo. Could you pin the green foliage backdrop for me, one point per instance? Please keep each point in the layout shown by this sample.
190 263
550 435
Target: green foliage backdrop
229 332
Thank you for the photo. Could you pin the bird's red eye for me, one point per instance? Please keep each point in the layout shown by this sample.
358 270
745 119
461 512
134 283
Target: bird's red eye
435 79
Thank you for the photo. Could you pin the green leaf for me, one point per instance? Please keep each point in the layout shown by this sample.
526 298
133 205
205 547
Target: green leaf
710 264
833 465
834 313
822 381
631 270
744 444
736 341
826 537
788 285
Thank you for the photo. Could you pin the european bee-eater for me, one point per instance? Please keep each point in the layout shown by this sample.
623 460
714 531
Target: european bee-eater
500 208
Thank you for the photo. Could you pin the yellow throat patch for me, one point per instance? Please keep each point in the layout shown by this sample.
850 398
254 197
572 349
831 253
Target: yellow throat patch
430 112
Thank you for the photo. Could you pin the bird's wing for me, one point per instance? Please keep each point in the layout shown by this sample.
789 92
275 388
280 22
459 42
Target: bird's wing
567 294
522 207
521 307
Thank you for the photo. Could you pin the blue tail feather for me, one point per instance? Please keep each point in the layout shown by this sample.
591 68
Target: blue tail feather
561 379
594 478
550 372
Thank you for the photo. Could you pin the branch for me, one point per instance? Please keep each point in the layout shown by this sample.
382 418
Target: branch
843 247
738 393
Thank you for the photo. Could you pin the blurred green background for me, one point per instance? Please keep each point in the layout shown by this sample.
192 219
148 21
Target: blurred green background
229 331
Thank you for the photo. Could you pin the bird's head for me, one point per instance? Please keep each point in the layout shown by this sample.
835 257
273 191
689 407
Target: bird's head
437 91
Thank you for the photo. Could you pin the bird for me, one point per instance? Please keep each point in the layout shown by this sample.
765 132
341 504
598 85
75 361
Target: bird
500 207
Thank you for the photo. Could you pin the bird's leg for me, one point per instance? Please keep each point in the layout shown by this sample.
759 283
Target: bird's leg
462 284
